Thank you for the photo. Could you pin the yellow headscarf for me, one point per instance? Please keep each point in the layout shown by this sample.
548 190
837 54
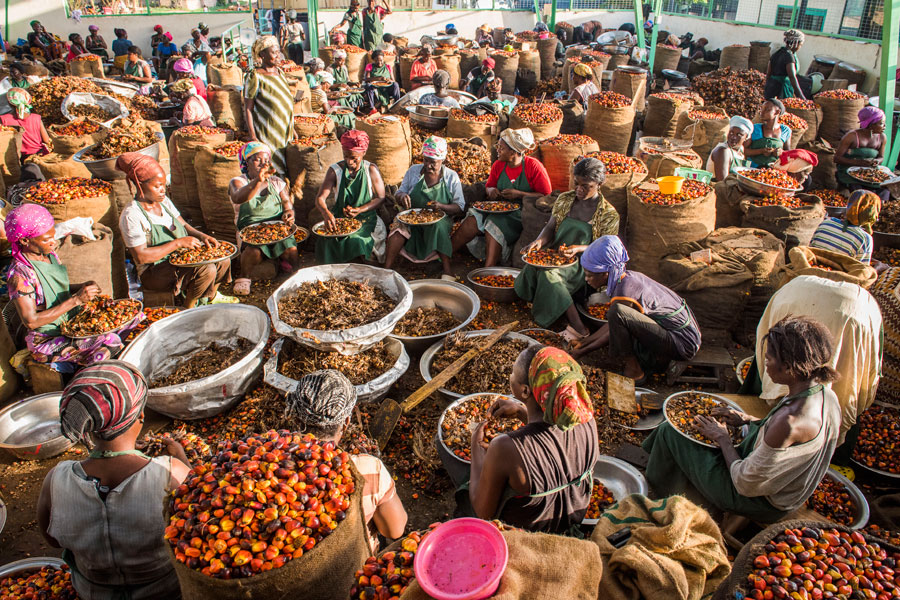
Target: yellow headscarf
261 44
863 209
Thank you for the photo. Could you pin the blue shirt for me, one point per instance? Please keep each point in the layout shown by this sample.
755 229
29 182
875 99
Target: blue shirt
120 47
166 50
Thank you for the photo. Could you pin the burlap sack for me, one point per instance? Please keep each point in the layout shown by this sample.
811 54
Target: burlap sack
390 146
450 63
224 74
839 117
530 60
663 113
558 160
10 144
654 230
666 58
55 166
406 62
312 124
824 174
505 68
573 117
706 133
803 260
35 68
728 203
468 59
541 131
547 51
88 67
598 64
307 166
735 56
214 173
89 260
164 160
464 129
675 551
615 189
852 73
183 150
355 64
813 117
760 53
226 106
633 85
664 164
535 215
611 127
794 226
67 145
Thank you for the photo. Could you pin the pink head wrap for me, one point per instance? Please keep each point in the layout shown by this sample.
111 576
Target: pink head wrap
168 36
489 62
183 65
26 221
869 115
355 141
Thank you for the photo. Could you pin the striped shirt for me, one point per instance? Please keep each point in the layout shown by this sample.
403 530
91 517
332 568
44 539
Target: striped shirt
838 236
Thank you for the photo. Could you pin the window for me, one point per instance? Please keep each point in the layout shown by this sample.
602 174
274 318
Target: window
811 19
783 16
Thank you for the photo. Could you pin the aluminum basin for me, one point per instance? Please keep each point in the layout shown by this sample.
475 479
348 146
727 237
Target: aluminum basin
446 295
618 477
493 294
105 168
30 429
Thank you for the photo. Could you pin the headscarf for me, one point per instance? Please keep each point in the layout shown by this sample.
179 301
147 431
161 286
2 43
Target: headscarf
434 147
489 62
182 85
158 28
606 255
249 150
540 26
558 386
869 115
792 37
339 54
325 77
321 399
93 28
794 161
441 78
485 27
582 70
33 23
138 168
105 399
519 140
673 40
19 99
168 36
261 44
26 221
742 123
315 63
355 141
183 65
863 209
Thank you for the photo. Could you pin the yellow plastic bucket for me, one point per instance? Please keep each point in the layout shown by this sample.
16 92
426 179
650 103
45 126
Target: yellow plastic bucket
670 185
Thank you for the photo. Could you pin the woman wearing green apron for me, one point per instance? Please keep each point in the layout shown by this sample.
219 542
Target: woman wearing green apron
354 22
769 138
259 196
373 28
40 291
152 229
379 71
784 456
514 178
136 69
427 185
578 218
358 191
783 79
863 147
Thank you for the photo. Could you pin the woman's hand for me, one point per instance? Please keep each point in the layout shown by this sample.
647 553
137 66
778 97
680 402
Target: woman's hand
189 241
351 211
511 194
403 200
729 415
493 193
713 430
533 246
265 173
210 241
87 293
504 408
288 215
478 437
571 252
330 221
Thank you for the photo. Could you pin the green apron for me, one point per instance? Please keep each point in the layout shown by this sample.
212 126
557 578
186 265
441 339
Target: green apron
384 72
341 75
19 84
425 239
347 121
264 208
845 178
510 224
677 463
353 192
160 234
54 280
762 160
477 82
134 69
373 29
354 30
353 100
550 290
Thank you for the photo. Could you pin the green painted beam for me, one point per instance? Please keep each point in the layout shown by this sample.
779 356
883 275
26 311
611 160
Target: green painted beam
313 17
657 13
639 22
537 9
552 24
890 37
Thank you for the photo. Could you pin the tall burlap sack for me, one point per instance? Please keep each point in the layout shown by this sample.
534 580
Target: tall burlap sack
706 133
183 150
164 159
616 188
535 215
390 147
468 59
633 85
226 106
573 117
406 62
307 167
760 53
322 125
214 173
450 63
654 230
505 68
35 68
796 136
541 131
675 550
526 82
663 114
824 174
618 60
558 161
598 65
794 226
611 127
666 58
852 73
839 117
67 145
89 67
10 144
328 567
224 74
460 128
530 60
55 166
803 260
735 56
547 52
813 118
729 196
664 164
89 260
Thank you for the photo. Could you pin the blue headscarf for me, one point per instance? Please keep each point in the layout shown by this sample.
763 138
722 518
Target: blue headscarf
249 150
606 255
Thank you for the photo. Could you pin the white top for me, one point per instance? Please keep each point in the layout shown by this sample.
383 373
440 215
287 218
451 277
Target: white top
135 227
451 179
730 156
295 32
586 90
6 83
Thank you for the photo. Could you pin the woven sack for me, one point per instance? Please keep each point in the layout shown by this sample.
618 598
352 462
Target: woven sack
10 144
226 106
813 118
90 67
541 131
55 166
706 133
67 145
505 68
662 115
616 188
839 117
736 56
214 174
390 147
558 161
547 52
666 58
573 117
468 60
164 160
633 85
183 150
307 166
224 74
406 62
794 226
611 127
89 260
461 128
804 260
664 164
321 125
760 53
450 63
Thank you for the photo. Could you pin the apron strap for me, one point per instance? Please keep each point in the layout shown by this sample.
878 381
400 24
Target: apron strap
587 475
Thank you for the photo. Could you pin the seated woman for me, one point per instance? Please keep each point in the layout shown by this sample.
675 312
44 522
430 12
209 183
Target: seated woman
95 42
863 147
479 76
322 404
537 477
427 185
698 49
318 92
313 67
358 191
195 110
43 43
338 69
583 78
379 71
136 68
166 50
120 47
727 156
798 164
76 47
35 139
106 512
182 68
40 290
784 456
852 233
493 93
259 196
422 69
648 324
769 138
483 36
578 218
441 95
514 178
152 229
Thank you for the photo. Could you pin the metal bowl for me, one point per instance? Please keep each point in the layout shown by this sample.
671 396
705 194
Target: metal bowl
882 239
760 189
30 429
446 295
615 49
2 515
631 69
105 168
618 477
653 403
852 171
673 75
493 294
25 565
860 504
433 122
428 357
739 368
721 399
665 144
583 311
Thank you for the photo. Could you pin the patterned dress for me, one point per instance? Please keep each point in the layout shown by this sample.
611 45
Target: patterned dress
273 113
886 291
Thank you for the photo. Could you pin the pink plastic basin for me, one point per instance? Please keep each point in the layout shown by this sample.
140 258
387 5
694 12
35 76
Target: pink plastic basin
462 559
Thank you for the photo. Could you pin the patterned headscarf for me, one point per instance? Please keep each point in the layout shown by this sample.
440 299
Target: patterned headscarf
182 85
863 209
26 221
249 150
601 221
434 147
339 54
19 99
355 141
792 37
321 399
183 65
606 255
582 70
138 168
261 44
558 386
105 399
869 115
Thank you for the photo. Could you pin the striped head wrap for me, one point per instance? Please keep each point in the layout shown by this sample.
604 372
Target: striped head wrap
249 150
104 399
321 399
558 386
262 44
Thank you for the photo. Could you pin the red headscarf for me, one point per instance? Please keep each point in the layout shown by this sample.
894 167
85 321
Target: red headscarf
806 155
489 62
138 168
355 141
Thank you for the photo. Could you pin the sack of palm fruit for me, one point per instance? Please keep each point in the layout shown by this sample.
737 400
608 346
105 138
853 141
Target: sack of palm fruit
544 120
390 145
559 152
183 147
667 57
789 218
835 266
216 166
610 120
308 160
810 112
506 65
663 112
706 126
735 56
73 136
226 106
595 59
631 84
464 125
839 113
798 126
663 164
10 142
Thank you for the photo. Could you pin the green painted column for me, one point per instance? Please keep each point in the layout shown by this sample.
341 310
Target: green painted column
657 13
639 22
313 16
552 24
888 84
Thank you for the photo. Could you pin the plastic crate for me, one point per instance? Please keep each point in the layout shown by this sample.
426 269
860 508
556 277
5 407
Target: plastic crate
698 174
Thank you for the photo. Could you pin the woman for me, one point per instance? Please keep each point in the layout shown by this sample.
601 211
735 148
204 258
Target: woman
583 79
293 37
586 33
799 164
379 71
156 39
728 156
121 45
769 138
35 139
322 404
318 96
783 457
782 76
578 218
648 324
164 52
259 195
184 69
698 49
353 20
40 290
338 68
538 477
427 185
479 76
268 101
852 233
373 27
422 69
95 42
106 512
863 147
514 178
42 43
76 47
484 36
195 110
136 68
358 191
313 67
17 79
441 95
152 229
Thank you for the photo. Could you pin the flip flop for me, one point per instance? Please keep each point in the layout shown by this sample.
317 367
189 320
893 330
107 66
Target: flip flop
446 277
285 266
241 287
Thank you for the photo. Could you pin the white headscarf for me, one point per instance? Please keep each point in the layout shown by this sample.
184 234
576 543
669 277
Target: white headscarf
742 123
519 140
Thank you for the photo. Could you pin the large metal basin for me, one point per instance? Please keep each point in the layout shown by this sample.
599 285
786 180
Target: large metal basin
20 567
105 168
618 477
30 429
446 295
493 294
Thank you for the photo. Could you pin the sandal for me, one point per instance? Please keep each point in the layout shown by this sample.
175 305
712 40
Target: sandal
241 287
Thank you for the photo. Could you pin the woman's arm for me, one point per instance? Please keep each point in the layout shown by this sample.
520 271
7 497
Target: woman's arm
43 511
32 318
147 77
792 76
327 185
287 206
491 470
544 238
246 192
45 137
248 118
720 167
840 155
